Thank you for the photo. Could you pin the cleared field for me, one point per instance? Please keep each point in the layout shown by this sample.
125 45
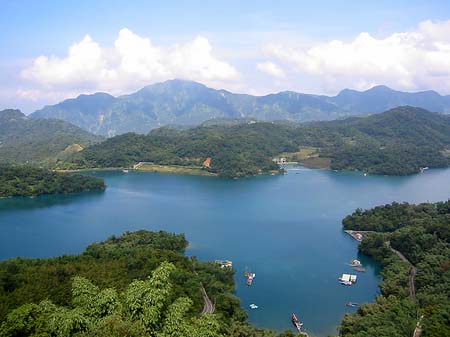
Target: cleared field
304 152
316 162
195 170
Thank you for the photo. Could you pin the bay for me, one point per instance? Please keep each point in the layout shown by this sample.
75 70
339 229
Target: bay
285 228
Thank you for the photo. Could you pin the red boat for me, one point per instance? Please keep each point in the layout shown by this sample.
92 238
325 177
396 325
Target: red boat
296 322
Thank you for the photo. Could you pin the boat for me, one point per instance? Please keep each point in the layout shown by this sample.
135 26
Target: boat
125 171
253 306
250 277
351 304
296 322
356 263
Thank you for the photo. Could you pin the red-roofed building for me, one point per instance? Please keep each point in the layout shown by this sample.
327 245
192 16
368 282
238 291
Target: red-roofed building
207 162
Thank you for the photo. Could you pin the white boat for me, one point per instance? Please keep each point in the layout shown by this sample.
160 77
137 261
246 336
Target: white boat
125 171
356 263
253 306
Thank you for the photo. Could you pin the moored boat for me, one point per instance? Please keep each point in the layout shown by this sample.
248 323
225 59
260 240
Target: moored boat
356 263
296 322
250 277
351 304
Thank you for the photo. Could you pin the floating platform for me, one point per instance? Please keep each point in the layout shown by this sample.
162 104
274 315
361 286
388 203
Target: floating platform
347 279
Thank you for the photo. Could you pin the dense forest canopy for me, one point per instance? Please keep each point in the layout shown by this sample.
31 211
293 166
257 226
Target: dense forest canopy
422 234
32 181
138 284
400 141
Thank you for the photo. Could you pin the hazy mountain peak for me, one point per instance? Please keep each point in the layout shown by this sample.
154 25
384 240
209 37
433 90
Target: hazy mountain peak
380 89
184 102
11 114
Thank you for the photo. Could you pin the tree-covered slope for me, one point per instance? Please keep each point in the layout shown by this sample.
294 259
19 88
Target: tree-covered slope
138 284
38 140
31 181
178 102
411 289
399 141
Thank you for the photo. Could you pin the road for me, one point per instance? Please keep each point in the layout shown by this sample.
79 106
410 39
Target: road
208 307
412 286
412 272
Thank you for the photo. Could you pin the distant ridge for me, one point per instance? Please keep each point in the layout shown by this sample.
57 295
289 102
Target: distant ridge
38 140
181 102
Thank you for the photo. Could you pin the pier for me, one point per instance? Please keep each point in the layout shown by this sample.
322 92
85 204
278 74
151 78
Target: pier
358 235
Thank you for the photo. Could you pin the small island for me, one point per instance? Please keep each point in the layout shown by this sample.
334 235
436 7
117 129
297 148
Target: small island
31 181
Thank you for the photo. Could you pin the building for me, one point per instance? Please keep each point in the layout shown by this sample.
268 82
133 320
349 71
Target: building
280 161
207 162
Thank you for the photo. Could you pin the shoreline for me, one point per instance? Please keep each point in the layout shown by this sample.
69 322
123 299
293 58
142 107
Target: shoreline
168 169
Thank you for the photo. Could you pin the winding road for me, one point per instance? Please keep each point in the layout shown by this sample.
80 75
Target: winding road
208 307
412 286
412 272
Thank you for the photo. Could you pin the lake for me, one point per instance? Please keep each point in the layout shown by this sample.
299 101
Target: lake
285 228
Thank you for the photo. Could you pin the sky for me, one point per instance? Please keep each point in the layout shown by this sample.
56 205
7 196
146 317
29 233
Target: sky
53 50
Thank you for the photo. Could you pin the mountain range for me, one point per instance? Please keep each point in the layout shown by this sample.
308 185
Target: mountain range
180 102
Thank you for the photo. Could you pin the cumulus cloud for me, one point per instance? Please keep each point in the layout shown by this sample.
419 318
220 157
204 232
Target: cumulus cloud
271 69
413 60
132 62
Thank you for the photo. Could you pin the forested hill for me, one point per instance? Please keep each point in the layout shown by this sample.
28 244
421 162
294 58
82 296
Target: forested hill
38 140
411 289
136 285
30 181
179 102
399 141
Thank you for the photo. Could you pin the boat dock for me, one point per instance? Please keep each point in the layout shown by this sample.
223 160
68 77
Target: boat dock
358 235
225 263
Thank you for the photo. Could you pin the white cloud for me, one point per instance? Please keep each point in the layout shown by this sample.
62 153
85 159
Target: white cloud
271 69
132 62
413 60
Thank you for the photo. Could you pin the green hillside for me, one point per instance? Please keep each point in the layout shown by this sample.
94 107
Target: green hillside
137 284
415 290
400 141
33 140
30 181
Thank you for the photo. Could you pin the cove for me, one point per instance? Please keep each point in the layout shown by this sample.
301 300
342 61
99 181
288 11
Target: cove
286 229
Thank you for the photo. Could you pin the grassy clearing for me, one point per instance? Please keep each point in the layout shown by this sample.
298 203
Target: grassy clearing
316 162
194 170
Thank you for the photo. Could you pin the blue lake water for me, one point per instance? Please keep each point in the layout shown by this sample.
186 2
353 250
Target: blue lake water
286 229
